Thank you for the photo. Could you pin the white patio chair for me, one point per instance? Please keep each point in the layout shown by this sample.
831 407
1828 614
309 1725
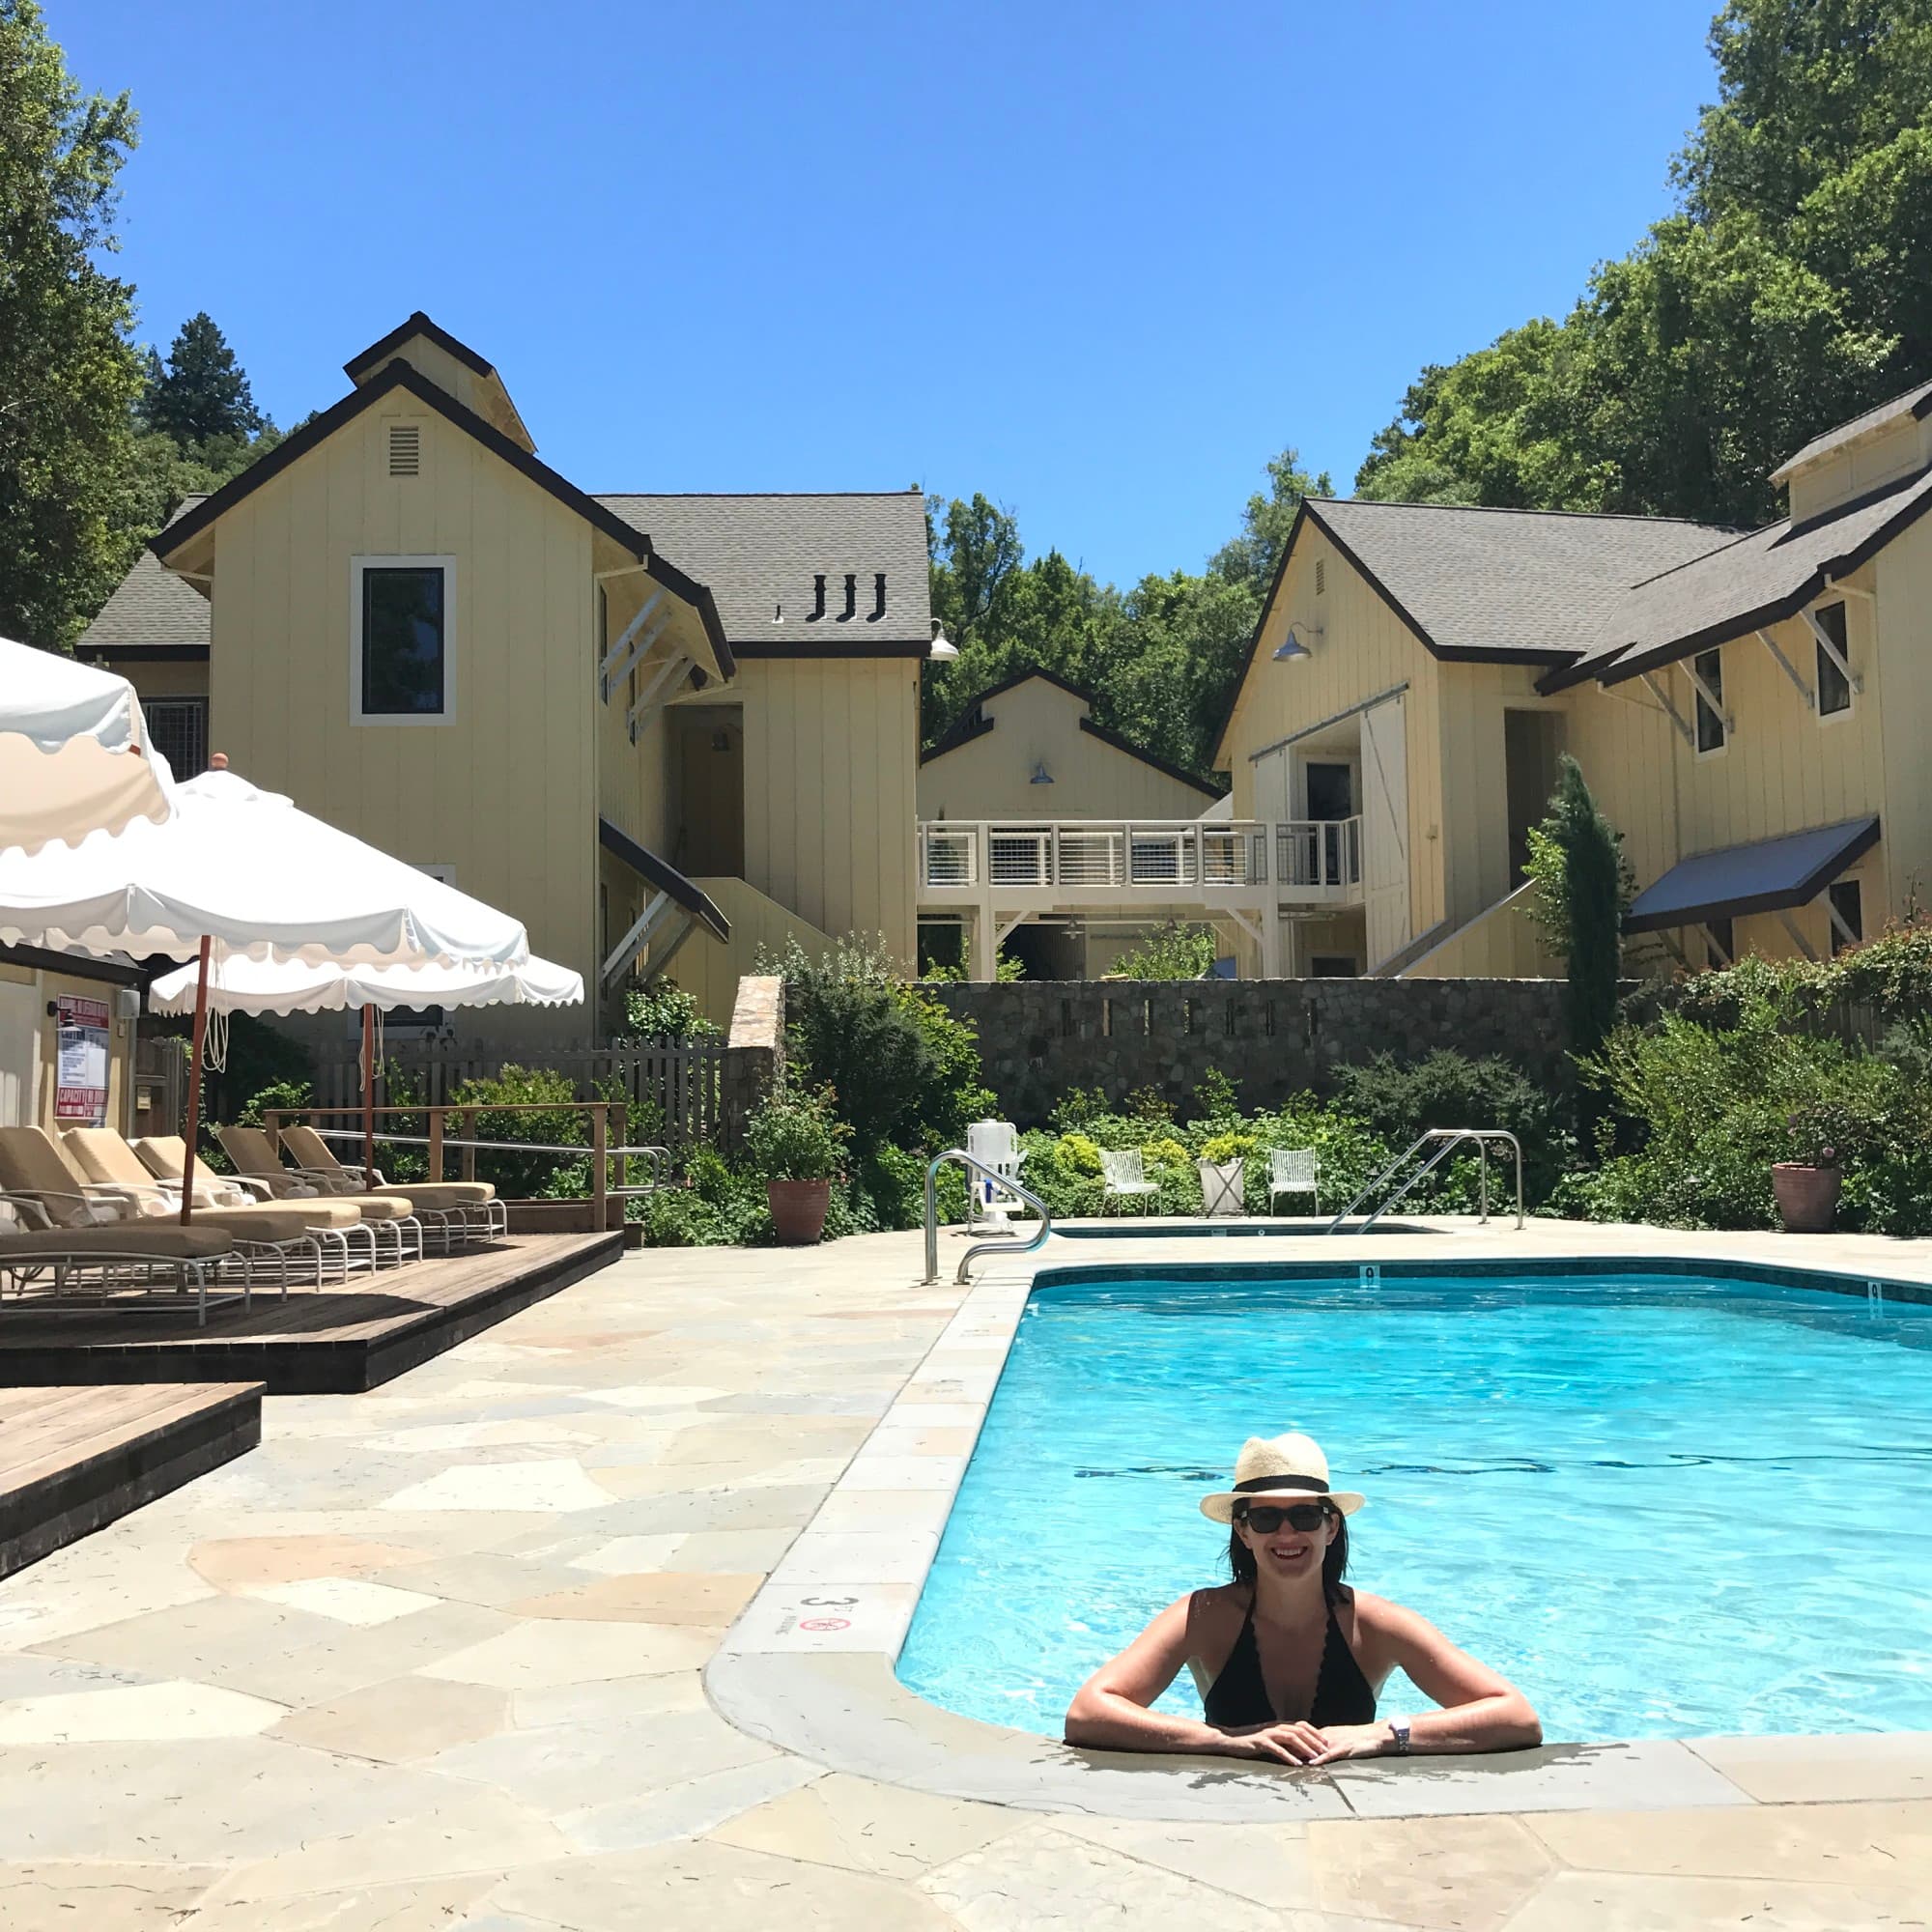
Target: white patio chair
1123 1178
1294 1171
996 1144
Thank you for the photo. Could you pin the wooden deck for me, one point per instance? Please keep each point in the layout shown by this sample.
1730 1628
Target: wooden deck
74 1459
332 1342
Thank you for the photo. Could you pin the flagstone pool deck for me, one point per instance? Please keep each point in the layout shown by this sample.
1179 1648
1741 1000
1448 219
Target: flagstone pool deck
465 1653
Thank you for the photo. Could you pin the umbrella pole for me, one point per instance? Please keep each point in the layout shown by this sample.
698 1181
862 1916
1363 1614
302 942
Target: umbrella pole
368 1095
195 1081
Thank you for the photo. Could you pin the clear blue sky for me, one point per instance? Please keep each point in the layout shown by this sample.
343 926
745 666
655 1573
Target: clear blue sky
1097 261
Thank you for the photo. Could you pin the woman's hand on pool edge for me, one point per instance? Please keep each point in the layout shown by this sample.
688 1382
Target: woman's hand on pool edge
1340 1741
1298 1744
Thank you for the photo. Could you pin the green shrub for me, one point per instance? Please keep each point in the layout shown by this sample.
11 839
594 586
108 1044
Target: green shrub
795 1135
560 1123
664 1011
902 1069
1399 1099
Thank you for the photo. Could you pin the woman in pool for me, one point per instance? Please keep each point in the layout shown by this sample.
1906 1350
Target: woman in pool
1288 1658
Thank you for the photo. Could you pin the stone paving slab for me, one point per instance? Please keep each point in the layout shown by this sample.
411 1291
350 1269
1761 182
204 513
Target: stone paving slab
276 1701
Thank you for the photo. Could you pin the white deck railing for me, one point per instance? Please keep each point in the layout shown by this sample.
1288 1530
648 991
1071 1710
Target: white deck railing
1174 857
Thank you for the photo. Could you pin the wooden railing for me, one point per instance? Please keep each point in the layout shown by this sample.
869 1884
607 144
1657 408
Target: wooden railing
676 1090
618 1170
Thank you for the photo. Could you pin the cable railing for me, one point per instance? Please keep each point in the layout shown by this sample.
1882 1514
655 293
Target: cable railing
1017 1188
1168 856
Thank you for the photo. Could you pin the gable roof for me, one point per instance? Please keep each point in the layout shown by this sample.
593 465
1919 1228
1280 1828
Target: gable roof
1480 585
1754 580
400 374
1916 402
151 613
418 323
760 554
972 724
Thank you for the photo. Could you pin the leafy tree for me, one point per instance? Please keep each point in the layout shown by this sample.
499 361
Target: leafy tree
1792 291
202 395
1174 950
68 374
1251 558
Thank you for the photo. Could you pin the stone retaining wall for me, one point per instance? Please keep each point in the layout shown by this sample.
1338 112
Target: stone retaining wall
1272 1037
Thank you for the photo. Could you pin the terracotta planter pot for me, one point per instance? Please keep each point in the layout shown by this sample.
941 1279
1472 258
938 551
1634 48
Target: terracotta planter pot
1807 1197
798 1209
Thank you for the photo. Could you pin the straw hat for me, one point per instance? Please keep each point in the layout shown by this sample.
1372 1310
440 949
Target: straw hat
1290 1468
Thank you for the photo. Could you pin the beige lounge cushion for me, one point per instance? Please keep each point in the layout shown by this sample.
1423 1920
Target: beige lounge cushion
438 1195
172 1243
32 1164
271 1220
161 1156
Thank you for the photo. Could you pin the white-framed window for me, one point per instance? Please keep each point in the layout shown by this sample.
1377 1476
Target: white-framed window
401 640
1712 734
1834 688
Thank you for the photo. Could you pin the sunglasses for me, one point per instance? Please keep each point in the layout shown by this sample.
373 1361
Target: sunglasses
1265 1519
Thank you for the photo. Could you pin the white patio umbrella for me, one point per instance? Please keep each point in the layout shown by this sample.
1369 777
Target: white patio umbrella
241 868
296 986
74 756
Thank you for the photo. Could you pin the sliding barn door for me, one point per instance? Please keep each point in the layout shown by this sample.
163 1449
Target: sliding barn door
1385 829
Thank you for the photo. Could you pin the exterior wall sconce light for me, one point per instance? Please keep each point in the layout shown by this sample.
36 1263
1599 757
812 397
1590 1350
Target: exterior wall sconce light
1294 647
1040 774
941 650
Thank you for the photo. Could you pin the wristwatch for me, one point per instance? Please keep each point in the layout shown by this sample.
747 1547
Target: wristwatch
1399 1734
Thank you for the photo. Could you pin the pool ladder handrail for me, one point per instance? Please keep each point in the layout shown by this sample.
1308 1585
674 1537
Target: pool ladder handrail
1004 1181
1449 1139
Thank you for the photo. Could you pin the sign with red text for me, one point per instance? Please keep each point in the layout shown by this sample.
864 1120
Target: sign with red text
80 1085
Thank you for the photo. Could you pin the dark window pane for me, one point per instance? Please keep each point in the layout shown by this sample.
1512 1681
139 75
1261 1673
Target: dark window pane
1720 946
401 642
1848 902
1710 668
1835 691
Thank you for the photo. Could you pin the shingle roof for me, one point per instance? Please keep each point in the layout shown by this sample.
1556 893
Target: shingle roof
1497 584
759 555
1916 402
151 607
1755 580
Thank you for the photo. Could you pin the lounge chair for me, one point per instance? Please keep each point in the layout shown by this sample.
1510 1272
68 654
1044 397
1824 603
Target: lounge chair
394 1227
1294 1171
1123 1178
271 1241
34 1255
469 1205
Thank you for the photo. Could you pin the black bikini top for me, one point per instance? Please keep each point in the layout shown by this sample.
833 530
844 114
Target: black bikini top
1239 1696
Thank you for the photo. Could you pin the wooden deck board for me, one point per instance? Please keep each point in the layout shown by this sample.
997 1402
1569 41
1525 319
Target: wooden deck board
72 1460
314 1342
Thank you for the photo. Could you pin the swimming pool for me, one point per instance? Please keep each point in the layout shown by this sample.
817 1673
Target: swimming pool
1667 1504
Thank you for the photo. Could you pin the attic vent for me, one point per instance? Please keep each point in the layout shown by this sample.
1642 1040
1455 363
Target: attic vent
1320 574
405 449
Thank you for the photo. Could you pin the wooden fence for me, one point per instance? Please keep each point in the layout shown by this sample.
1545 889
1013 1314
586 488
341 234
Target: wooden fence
675 1093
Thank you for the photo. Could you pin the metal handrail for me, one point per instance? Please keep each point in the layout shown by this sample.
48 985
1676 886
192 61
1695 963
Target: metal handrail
1450 1138
1012 1186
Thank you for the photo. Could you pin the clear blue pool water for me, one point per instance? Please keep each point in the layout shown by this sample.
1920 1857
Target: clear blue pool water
1665 1506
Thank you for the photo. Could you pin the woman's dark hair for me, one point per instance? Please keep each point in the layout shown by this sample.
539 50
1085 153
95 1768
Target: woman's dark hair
1334 1563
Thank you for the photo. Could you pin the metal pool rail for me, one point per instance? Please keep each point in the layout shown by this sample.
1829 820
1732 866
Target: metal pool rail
1445 1141
1005 1181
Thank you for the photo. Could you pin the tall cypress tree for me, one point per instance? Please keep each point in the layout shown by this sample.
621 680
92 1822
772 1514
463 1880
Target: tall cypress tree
1578 861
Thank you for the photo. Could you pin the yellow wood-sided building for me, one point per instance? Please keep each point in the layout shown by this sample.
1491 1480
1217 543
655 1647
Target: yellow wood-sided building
1750 709
653 727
